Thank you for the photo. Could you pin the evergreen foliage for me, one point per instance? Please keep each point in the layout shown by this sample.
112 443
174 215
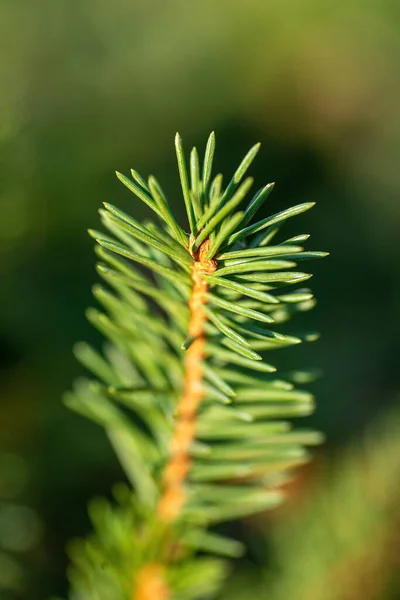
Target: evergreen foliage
184 388
341 542
20 527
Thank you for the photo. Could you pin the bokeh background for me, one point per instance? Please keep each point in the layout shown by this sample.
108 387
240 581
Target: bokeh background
92 86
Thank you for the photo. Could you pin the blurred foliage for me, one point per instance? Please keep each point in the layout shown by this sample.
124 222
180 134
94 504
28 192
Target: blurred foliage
87 87
342 542
20 528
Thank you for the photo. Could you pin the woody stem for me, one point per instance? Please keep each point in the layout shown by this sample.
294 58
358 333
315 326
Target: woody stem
177 468
150 582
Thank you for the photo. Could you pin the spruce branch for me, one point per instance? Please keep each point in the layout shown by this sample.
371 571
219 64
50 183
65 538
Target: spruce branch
187 318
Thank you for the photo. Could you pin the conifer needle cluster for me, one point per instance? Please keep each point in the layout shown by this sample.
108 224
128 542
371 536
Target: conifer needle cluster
185 387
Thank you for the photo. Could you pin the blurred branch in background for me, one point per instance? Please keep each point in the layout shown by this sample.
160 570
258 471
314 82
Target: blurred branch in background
340 539
20 529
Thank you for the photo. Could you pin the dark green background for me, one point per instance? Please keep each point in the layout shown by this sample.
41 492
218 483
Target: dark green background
88 87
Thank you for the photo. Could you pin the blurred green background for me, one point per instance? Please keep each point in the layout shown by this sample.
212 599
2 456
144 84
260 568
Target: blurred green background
89 87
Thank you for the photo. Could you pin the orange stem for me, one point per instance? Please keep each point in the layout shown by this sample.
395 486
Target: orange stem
150 581
177 468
